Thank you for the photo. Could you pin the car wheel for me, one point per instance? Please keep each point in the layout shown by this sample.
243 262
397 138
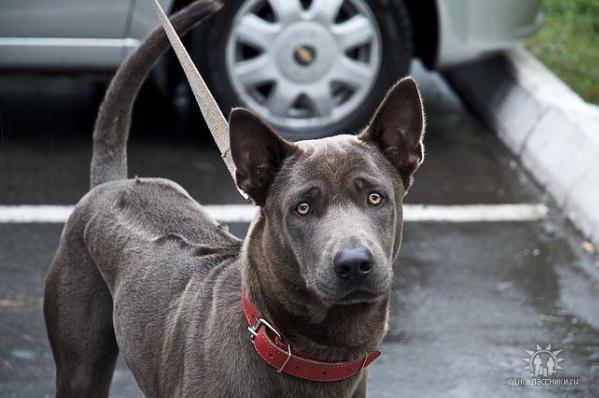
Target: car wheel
311 68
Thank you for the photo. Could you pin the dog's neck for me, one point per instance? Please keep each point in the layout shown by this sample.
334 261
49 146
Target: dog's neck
325 332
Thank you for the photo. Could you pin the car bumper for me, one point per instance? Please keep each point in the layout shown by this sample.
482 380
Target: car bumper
470 29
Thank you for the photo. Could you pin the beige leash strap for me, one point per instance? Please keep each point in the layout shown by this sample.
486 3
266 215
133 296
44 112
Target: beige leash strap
215 120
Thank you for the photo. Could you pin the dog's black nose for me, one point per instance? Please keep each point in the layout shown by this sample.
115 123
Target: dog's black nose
353 264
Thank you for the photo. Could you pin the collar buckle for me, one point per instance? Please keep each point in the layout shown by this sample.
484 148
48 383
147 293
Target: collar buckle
254 332
262 322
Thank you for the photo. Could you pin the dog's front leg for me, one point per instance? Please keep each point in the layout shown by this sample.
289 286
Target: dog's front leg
361 388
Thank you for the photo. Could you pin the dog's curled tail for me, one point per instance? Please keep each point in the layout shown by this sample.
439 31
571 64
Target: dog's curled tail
111 131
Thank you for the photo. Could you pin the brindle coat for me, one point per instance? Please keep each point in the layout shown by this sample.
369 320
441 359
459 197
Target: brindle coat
141 268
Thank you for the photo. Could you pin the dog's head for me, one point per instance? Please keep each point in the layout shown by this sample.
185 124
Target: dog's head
333 207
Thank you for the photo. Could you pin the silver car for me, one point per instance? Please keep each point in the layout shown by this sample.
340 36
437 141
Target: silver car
310 67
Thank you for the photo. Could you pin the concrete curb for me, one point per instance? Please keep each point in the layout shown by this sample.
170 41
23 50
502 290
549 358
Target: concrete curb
550 128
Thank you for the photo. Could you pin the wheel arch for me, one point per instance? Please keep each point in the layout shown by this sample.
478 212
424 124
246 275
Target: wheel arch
424 17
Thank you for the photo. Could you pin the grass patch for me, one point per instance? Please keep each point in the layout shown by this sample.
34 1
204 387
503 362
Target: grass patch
568 44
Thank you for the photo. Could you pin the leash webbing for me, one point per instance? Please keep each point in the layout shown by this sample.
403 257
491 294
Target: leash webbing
215 120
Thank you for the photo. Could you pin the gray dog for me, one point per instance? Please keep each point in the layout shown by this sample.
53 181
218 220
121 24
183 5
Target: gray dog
143 270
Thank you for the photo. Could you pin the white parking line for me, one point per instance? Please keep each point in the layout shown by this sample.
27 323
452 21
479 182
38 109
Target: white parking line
23 214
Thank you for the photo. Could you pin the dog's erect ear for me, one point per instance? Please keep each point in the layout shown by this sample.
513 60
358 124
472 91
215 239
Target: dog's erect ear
397 128
257 152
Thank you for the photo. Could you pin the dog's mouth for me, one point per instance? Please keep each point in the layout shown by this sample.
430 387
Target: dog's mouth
359 296
350 296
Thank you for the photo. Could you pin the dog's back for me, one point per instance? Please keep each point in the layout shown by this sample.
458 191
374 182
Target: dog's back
149 240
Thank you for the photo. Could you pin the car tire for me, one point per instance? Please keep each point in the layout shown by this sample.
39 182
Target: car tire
209 50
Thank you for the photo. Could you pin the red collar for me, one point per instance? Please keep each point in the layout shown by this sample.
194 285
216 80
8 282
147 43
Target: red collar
270 346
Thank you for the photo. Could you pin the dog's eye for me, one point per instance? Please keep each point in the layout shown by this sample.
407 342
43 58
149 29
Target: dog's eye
375 199
302 209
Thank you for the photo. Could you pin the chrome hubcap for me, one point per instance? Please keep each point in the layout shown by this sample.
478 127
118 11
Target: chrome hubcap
303 64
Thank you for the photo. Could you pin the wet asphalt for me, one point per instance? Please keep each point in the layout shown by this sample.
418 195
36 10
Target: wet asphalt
469 298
